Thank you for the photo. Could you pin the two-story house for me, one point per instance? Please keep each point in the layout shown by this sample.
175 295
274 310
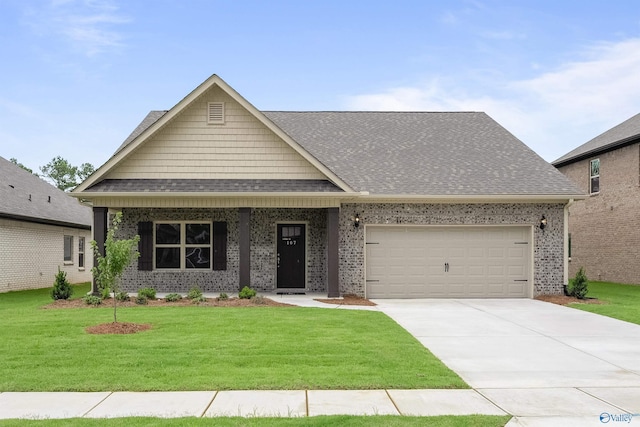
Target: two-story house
605 228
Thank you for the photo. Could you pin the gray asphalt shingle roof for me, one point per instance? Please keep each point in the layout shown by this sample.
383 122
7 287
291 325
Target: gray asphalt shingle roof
26 197
614 137
213 185
417 153
423 153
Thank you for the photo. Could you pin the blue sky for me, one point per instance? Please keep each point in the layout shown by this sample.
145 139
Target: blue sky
79 75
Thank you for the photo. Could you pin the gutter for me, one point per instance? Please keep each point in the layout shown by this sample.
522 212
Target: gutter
45 221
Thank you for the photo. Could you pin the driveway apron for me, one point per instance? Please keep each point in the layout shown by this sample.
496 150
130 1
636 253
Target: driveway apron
531 358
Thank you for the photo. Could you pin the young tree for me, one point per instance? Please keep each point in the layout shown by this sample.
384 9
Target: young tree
118 254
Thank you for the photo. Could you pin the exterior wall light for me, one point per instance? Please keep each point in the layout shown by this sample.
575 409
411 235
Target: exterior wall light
543 222
356 221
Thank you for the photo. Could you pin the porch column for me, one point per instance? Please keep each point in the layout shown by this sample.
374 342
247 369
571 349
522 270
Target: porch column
100 236
333 257
244 241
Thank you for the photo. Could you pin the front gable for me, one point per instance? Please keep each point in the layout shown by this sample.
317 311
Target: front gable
239 147
233 145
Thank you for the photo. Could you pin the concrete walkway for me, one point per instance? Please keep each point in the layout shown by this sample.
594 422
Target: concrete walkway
544 364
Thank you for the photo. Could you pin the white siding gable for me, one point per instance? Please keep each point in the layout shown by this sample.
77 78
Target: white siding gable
190 147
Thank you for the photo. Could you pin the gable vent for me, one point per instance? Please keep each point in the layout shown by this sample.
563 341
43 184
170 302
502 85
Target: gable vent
215 113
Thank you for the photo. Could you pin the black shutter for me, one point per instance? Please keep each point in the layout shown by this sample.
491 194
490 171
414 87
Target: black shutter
145 246
219 245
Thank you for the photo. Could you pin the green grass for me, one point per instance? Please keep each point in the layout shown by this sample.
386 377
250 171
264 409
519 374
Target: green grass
206 348
321 421
621 301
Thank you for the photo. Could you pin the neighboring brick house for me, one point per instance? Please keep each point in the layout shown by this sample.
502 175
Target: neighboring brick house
605 227
41 229
379 204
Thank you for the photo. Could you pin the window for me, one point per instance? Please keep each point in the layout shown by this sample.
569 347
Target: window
68 249
80 252
594 181
182 245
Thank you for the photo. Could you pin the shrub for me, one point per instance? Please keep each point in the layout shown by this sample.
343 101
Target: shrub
579 285
142 300
92 300
104 293
122 296
258 299
148 293
194 293
223 297
247 293
198 300
61 287
173 297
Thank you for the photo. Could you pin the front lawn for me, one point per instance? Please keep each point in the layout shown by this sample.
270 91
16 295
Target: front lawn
206 348
619 301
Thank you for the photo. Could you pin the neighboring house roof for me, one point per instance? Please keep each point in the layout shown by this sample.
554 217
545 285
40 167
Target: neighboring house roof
26 197
627 132
383 154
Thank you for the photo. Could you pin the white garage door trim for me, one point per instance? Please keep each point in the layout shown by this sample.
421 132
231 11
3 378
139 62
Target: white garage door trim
413 261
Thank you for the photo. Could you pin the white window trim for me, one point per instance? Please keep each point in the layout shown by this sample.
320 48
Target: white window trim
183 245
67 261
594 176
83 252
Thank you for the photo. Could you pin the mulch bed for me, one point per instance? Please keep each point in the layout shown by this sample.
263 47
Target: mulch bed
118 328
132 328
160 302
565 300
348 299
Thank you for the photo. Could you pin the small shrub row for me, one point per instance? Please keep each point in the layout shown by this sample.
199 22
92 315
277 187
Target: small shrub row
146 294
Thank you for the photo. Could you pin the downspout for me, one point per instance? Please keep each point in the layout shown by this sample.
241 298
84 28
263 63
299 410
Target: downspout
566 244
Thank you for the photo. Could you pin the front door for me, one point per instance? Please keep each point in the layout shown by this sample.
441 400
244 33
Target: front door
291 256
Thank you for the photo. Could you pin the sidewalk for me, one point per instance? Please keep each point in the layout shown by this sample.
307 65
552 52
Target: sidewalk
263 403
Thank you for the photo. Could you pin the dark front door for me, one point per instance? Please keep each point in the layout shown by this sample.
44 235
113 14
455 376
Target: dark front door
291 256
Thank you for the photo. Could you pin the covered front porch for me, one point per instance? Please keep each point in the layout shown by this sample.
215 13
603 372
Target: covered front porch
281 249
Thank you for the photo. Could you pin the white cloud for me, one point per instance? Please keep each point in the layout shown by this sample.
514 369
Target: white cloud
552 113
89 25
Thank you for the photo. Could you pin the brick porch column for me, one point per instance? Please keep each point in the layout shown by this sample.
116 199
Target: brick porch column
245 247
333 257
100 236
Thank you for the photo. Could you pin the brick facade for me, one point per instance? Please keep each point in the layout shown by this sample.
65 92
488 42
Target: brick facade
548 244
31 254
605 227
548 264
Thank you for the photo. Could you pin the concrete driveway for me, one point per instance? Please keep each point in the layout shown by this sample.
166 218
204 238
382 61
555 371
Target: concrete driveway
533 359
